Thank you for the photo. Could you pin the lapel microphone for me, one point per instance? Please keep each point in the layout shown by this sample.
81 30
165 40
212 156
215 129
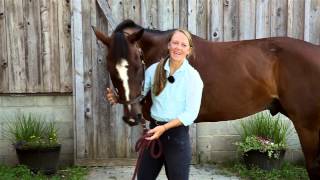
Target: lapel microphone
171 79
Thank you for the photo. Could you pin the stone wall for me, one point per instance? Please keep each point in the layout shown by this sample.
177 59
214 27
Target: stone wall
56 108
215 140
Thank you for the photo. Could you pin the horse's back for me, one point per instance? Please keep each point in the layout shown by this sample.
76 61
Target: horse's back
244 77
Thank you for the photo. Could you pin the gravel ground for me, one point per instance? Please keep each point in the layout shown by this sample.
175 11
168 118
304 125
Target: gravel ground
197 172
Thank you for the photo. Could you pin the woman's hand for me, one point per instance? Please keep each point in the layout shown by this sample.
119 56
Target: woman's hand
156 132
111 97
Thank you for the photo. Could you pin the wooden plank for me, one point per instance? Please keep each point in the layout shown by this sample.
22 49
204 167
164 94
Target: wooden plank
202 18
54 46
95 83
4 78
64 28
263 19
247 18
104 139
216 20
45 50
279 9
176 14
165 14
149 14
296 19
16 46
183 14
132 10
192 16
50 46
106 9
307 7
116 7
78 74
231 20
33 46
314 35
87 68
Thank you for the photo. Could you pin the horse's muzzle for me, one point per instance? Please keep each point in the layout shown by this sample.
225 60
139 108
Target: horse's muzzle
132 121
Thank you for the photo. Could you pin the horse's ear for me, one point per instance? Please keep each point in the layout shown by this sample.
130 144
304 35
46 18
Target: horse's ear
136 36
100 35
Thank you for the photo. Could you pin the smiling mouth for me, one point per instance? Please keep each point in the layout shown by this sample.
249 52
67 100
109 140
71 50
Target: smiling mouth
176 53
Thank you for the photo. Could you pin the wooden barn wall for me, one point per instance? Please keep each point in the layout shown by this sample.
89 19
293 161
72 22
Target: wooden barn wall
36 51
35 46
100 133
35 43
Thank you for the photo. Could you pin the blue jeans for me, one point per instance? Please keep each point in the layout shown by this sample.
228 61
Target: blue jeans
176 156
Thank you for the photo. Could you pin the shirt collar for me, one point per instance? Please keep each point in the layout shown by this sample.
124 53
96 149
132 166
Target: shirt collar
181 68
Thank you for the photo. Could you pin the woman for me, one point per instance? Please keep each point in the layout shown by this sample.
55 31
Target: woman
176 95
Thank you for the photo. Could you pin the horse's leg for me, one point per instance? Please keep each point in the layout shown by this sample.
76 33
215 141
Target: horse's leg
310 142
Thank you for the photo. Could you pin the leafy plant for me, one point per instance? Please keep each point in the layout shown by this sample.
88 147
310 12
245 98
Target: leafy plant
264 133
31 131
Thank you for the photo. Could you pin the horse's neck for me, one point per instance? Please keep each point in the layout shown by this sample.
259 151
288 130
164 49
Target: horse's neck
154 45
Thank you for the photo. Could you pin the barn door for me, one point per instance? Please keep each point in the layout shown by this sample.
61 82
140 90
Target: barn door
101 137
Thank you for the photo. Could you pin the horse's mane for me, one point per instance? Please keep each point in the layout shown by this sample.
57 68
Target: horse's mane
128 23
120 44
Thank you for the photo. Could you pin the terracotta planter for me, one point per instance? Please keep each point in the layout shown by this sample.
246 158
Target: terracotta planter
262 161
40 159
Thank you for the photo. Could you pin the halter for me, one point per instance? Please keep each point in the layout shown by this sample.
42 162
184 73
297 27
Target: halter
140 97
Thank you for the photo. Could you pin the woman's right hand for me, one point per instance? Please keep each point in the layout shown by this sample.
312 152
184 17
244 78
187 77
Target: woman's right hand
111 97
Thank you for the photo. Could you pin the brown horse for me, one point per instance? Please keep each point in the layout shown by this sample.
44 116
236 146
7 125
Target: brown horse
240 78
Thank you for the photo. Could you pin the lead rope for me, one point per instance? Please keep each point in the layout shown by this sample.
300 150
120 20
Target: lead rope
142 144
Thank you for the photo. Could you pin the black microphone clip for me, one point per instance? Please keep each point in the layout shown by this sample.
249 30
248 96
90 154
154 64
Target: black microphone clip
171 79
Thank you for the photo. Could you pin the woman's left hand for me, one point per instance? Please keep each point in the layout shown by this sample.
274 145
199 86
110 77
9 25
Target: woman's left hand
156 132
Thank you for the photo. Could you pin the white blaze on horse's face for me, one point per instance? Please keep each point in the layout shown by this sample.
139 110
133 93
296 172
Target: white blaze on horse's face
122 68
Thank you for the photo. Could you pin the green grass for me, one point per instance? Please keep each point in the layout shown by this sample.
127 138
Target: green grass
287 172
23 173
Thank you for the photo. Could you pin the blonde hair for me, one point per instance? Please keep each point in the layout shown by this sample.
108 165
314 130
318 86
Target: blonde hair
160 78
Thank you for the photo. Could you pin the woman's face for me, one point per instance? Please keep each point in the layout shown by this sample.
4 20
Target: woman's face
179 46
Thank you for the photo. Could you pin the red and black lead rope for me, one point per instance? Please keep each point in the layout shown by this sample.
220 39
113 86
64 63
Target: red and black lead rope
143 144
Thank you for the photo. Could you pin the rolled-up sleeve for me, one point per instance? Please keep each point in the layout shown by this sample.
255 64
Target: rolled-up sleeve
193 100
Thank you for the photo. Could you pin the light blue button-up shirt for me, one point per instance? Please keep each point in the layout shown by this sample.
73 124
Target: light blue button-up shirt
179 100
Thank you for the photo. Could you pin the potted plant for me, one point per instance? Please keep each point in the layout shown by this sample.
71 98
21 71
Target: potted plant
263 141
35 141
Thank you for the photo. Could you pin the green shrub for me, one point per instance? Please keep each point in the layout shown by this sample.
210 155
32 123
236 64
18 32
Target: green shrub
264 133
31 131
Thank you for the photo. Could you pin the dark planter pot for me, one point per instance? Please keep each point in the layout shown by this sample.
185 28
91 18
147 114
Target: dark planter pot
40 159
262 161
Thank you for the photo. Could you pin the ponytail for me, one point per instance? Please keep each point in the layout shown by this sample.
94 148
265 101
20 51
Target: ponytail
160 78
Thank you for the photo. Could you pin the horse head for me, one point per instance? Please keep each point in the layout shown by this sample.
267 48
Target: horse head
126 67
